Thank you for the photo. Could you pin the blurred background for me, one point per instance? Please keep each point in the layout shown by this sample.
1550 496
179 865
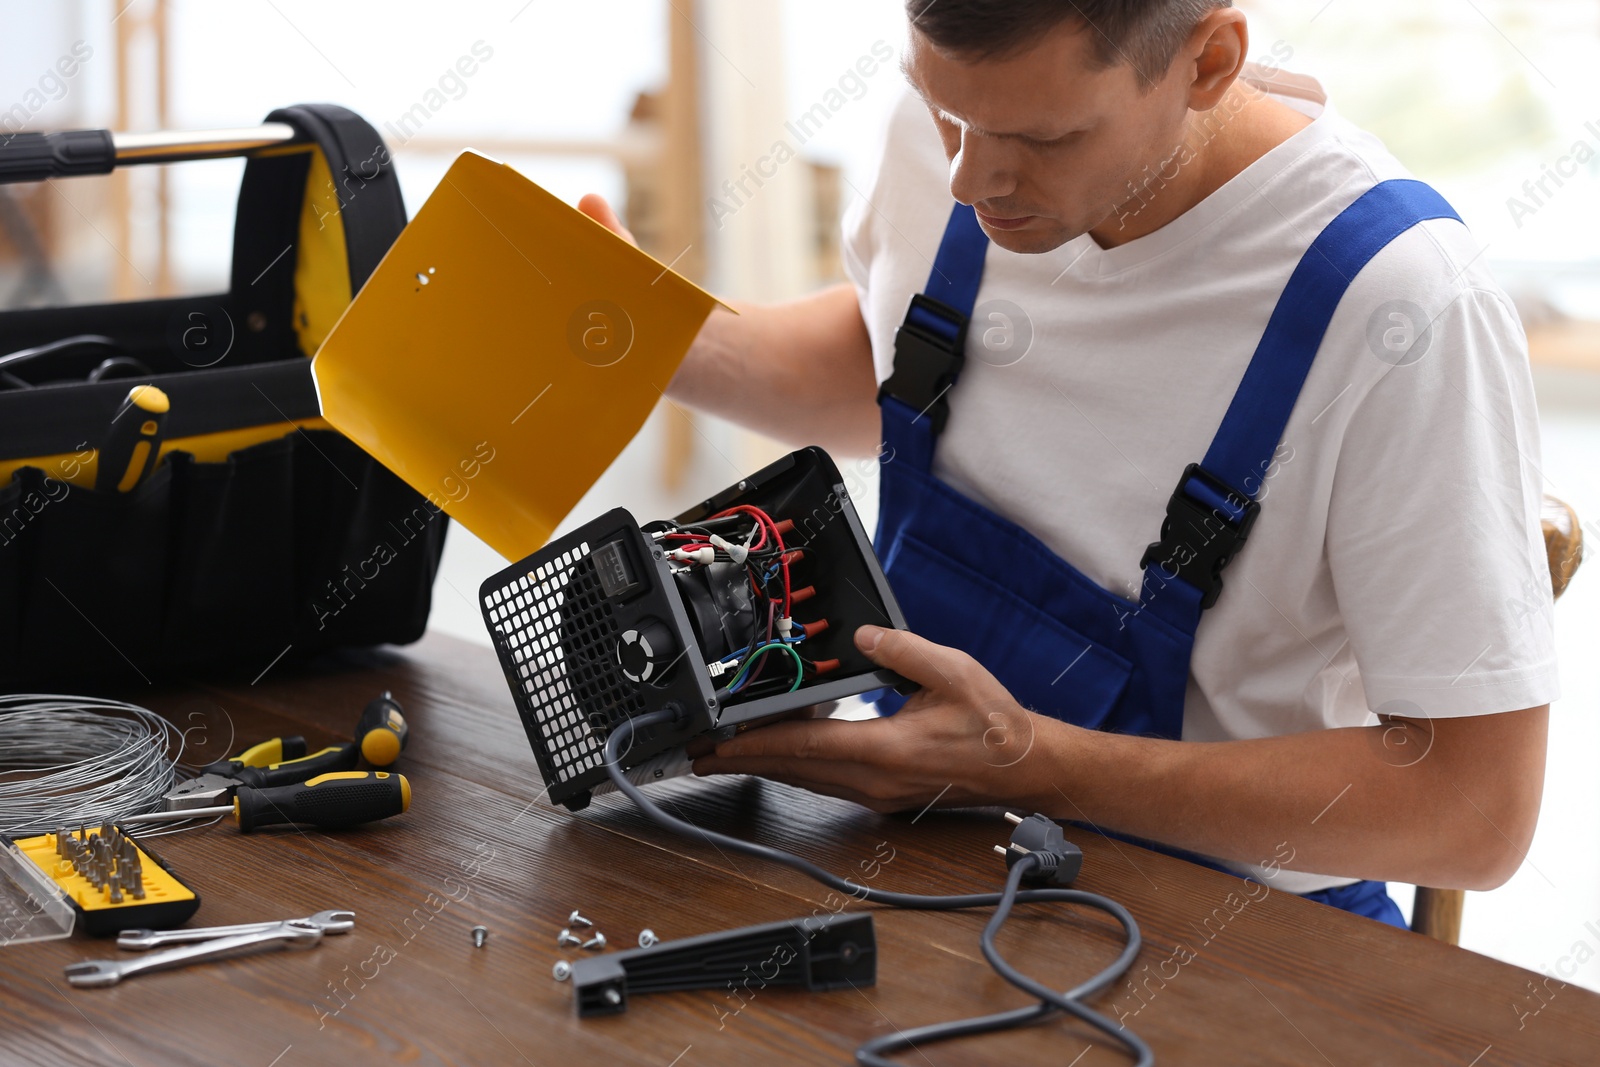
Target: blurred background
668 106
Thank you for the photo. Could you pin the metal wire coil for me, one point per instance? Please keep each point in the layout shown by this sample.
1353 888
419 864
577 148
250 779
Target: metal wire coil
72 761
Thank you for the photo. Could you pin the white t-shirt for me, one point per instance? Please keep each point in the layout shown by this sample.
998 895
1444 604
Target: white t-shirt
1397 563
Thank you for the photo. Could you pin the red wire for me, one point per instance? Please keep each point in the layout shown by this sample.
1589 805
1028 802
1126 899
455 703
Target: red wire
764 521
693 542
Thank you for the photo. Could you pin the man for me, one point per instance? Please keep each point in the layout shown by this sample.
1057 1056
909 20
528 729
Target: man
1367 699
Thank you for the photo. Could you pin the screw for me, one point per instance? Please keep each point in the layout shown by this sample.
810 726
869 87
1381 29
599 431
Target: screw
561 971
647 938
567 938
480 934
595 943
577 920
613 997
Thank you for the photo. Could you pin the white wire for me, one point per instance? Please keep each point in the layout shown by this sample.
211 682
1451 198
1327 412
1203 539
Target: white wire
68 761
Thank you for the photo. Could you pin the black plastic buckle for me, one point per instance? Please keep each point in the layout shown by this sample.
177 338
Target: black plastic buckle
925 362
1197 539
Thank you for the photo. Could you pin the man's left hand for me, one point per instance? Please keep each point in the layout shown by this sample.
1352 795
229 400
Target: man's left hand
960 740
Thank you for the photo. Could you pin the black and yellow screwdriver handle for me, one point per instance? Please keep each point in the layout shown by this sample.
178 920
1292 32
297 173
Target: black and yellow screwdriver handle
133 443
382 731
273 750
329 760
330 801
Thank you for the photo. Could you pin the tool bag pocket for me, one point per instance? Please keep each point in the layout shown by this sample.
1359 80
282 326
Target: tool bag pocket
259 533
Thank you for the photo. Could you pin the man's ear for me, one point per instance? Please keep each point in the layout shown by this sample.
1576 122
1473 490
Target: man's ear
1217 50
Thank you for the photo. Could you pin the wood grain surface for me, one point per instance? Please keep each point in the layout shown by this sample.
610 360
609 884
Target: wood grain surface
1231 973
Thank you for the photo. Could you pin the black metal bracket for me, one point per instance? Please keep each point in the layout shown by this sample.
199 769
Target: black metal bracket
815 953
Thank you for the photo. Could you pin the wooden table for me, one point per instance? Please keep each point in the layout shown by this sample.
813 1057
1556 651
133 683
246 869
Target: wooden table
1274 980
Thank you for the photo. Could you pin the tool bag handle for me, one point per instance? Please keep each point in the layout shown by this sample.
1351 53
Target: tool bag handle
364 206
356 156
367 205
34 157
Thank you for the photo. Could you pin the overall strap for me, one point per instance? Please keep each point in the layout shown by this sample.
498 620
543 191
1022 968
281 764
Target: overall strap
1214 506
1254 425
930 344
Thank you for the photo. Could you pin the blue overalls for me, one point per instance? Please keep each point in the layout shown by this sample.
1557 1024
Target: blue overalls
1059 643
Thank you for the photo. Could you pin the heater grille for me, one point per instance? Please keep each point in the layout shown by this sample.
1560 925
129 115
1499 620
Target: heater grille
589 636
552 627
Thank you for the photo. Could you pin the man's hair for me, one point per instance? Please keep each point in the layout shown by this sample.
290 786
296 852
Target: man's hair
1145 34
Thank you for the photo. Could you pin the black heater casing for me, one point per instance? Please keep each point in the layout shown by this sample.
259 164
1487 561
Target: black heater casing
579 627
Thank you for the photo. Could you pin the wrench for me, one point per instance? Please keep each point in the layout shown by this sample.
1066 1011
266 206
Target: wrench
331 922
95 973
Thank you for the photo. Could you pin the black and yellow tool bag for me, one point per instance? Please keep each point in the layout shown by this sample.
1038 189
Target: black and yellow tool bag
214 523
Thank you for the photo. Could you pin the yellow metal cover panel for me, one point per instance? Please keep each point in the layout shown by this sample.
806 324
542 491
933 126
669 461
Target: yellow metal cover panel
504 352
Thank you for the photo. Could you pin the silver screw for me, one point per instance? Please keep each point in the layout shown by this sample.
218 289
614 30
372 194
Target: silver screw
595 943
480 934
567 938
578 920
647 937
613 997
561 971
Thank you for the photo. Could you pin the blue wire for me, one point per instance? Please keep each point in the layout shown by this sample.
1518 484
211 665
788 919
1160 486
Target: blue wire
746 649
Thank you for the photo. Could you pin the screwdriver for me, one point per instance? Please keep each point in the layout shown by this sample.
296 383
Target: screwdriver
381 731
133 445
331 801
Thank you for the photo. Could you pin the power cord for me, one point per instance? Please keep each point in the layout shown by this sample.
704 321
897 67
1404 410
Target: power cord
1038 854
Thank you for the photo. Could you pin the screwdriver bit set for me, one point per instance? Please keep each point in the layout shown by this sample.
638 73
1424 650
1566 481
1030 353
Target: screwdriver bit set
108 880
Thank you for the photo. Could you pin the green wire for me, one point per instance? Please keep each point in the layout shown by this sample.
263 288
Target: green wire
799 667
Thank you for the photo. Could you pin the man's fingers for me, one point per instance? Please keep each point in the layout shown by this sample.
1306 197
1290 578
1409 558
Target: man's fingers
806 739
704 745
594 205
917 658
842 789
820 776
842 780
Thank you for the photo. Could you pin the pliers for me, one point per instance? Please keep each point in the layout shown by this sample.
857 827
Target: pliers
275 762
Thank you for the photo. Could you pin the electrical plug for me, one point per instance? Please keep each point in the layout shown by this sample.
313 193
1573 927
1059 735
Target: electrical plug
1057 861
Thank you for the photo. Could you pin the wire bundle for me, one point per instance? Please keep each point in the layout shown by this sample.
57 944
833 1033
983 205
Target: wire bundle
749 537
73 761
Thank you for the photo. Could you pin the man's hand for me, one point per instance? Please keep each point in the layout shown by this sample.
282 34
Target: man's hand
1468 788
960 740
594 205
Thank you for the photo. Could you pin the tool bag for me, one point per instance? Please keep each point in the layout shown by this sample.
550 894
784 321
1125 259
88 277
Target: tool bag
246 530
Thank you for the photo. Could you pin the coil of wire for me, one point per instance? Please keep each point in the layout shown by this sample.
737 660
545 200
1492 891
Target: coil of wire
71 761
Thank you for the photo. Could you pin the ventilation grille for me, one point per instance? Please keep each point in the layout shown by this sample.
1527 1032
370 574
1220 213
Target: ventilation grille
552 625
589 637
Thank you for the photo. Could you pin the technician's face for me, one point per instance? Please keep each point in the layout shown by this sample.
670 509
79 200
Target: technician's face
1042 145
